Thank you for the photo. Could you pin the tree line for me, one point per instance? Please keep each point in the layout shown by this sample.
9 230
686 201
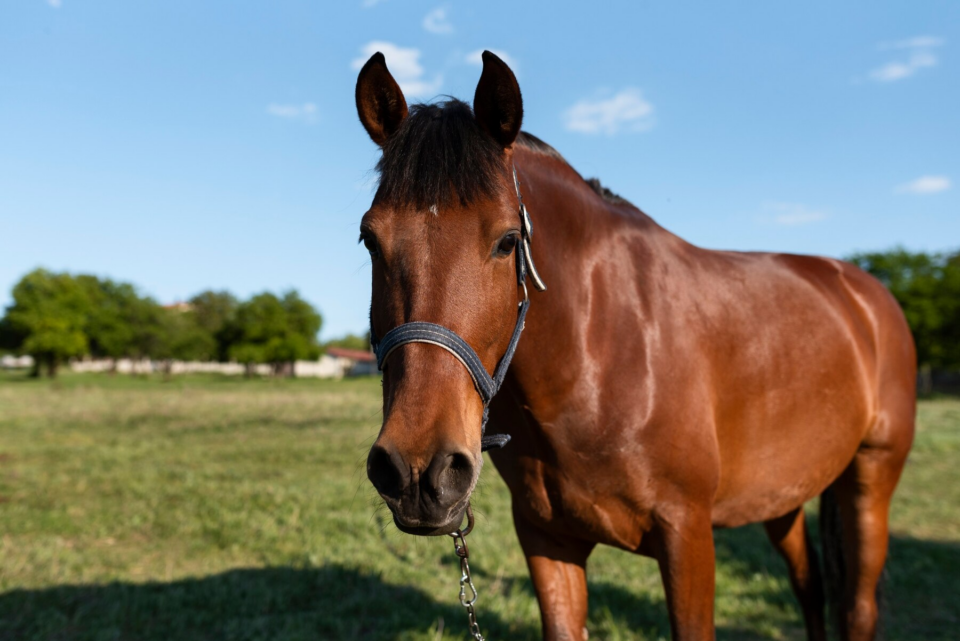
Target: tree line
56 317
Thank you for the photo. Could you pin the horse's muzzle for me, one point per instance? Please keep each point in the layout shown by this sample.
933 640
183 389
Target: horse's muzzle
426 500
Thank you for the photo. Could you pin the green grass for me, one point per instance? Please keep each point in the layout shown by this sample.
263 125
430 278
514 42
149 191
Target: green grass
205 508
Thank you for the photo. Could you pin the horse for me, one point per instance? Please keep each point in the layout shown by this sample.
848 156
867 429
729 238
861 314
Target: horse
660 390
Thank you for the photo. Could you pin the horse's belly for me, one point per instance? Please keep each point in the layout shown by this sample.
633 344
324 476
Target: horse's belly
775 470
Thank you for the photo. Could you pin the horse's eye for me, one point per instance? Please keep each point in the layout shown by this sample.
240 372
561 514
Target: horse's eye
371 244
506 245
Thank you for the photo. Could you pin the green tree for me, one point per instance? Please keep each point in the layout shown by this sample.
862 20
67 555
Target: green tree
108 325
214 312
950 301
278 331
179 337
148 321
47 318
122 323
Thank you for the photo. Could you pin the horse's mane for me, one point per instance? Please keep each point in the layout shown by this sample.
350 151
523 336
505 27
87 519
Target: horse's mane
440 154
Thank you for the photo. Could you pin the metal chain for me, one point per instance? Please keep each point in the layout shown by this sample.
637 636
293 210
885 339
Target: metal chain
468 592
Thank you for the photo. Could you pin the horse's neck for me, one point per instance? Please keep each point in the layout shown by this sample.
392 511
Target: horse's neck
560 199
591 254
571 220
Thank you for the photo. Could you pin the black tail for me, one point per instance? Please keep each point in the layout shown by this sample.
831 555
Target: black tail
834 565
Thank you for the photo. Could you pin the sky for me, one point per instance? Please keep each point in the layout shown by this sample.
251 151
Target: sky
184 145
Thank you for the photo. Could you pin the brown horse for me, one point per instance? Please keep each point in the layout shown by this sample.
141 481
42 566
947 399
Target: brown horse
660 390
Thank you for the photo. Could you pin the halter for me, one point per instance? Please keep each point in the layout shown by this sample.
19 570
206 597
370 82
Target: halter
421 332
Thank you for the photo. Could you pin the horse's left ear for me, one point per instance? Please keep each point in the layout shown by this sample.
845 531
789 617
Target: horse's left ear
497 103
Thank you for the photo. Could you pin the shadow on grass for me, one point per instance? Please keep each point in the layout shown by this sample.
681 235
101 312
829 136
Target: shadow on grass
919 588
919 593
332 602
336 602
743 552
921 584
284 604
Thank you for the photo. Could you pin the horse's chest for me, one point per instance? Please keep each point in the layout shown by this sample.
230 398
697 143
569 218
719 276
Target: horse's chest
573 499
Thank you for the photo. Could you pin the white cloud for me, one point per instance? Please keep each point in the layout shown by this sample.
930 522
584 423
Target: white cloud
54 3
899 70
476 58
913 43
920 56
925 185
790 214
306 112
404 65
437 21
627 110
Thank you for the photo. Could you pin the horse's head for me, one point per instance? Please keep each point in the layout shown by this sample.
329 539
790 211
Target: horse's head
443 233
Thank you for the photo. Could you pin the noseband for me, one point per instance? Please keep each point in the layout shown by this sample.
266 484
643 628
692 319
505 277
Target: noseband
421 332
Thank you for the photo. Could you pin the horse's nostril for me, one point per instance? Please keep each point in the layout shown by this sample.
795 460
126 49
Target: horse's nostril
385 471
461 463
451 476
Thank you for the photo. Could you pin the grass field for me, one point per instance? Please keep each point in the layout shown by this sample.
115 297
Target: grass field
224 509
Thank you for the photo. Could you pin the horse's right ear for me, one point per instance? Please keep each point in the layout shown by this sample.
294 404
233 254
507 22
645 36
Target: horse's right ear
380 103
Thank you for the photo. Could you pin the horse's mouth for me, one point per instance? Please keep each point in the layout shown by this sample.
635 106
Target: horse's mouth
419 528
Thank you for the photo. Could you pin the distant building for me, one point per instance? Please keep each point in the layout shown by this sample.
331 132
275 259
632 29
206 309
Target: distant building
355 362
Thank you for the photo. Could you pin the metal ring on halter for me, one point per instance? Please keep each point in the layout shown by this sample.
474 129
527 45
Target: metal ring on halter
469 529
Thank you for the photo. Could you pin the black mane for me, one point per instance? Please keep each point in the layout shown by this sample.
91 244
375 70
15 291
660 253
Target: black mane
438 154
441 155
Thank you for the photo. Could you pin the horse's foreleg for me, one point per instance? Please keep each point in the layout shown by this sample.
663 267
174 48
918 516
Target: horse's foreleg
558 568
789 535
684 551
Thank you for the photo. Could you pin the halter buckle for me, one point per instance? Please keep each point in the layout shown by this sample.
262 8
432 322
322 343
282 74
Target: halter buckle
527 223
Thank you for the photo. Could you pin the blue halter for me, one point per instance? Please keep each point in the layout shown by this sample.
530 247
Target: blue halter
421 332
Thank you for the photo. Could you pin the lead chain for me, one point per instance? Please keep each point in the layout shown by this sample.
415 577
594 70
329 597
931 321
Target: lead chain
468 591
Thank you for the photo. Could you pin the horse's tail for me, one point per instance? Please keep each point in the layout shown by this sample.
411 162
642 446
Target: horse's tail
831 544
834 563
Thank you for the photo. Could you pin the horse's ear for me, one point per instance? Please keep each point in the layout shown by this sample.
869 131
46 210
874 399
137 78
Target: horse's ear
497 103
380 102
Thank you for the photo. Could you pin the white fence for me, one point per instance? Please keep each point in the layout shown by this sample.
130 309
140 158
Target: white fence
9 361
325 367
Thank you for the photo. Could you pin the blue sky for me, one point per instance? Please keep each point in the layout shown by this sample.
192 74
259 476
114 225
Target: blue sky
188 145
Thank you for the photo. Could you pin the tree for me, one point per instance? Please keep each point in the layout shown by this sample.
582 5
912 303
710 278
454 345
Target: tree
214 313
47 319
950 299
179 337
108 327
278 331
121 323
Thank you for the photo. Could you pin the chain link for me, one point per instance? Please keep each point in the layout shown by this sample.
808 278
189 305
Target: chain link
468 591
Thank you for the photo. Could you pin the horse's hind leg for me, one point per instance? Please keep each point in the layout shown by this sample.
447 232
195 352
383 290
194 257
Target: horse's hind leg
789 535
864 492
